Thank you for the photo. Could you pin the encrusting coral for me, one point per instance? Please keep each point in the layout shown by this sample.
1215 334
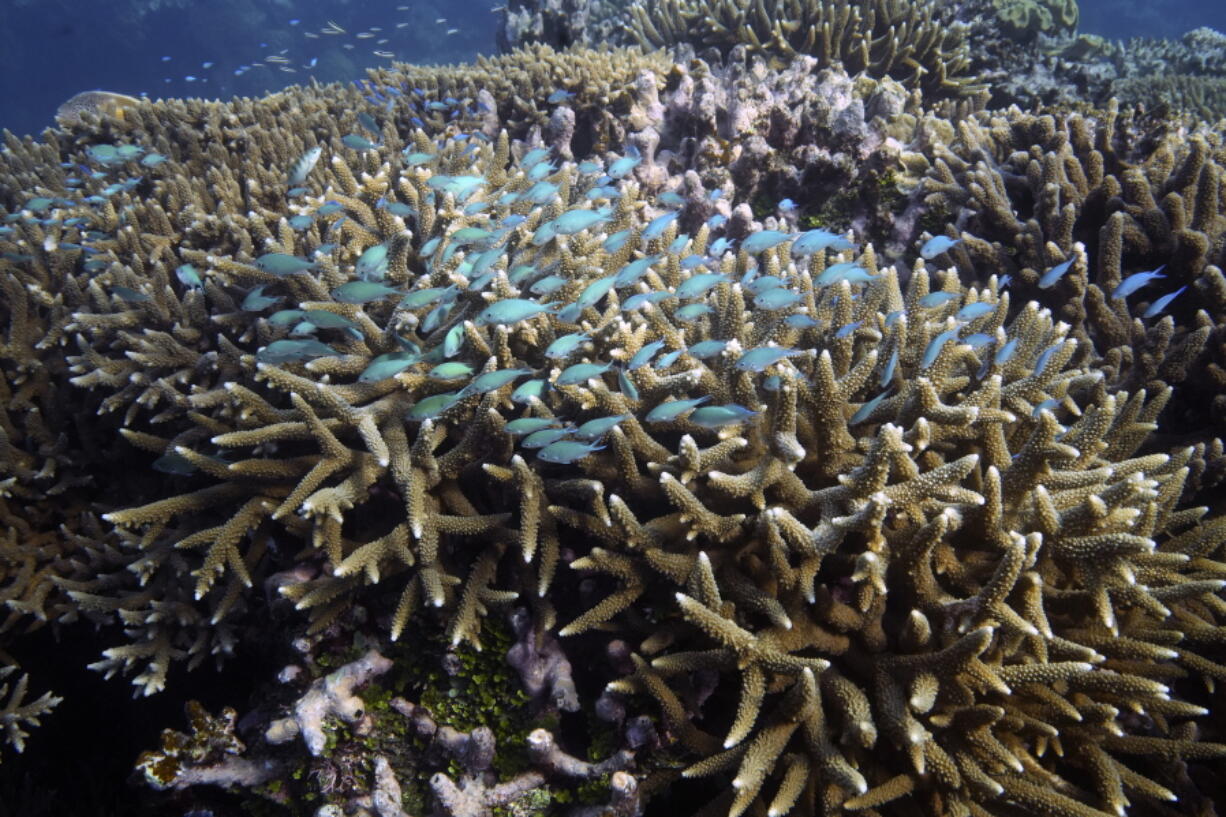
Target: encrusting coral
878 537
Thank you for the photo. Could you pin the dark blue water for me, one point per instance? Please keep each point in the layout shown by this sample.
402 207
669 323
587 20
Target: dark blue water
51 49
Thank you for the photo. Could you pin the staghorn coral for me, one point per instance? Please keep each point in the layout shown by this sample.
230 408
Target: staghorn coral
933 563
911 42
16 714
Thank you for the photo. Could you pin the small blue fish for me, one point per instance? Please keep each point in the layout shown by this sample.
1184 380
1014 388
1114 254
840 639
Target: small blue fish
1049 278
935 346
421 298
526 391
595 429
632 272
777 298
1135 281
844 331
716 221
887 374
492 381
1162 303
388 365
529 425
278 263
512 310
934 299
363 292
644 355
189 277
372 264
1005 353
936 245
301 222
787 206
848 271
764 240
581 373
667 359
544 437
800 321
620 168
627 386
641 299
616 241
720 416
534 157
656 227
814 241
431 407
593 292
559 96
453 341
286 351
353 140
692 312
699 284
548 285
257 301
976 310
720 245
565 345
566 452
1046 356
761 357
670 410
867 409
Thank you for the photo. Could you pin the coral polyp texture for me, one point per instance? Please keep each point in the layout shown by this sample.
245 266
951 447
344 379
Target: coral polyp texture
854 531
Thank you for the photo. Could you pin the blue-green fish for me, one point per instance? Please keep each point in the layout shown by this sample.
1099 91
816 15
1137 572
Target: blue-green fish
699 284
616 241
935 346
593 292
1162 303
257 301
327 320
513 310
566 452
1135 281
544 437
976 310
302 222
451 370
529 425
644 355
286 317
848 271
720 416
763 240
189 277
844 331
692 312
372 263
548 285
1049 278
388 365
641 299
453 340
353 140
777 298
576 221
595 429
128 294
581 373
425 297
620 168
565 345
937 245
278 263
939 298
492 381
672 409
527 390
705 349
363 292
627 386
760 358
867 409
285 351
632 272
431 407
813 241
656 227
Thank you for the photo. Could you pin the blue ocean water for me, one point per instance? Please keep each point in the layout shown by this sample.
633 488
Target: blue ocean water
52 49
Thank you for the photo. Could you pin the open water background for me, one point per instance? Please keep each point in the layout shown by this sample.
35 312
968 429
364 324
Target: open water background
51 49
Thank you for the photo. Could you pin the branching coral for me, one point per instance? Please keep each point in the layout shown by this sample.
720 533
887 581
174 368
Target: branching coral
878 539
909 41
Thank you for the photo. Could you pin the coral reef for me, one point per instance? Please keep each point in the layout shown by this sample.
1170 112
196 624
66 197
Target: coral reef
531 367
